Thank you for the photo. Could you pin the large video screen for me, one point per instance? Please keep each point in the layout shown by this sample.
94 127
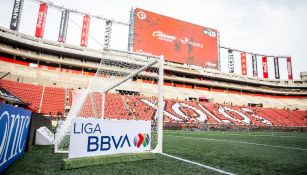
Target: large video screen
176 40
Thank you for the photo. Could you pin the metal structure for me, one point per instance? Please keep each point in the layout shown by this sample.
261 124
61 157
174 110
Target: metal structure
110 22
101 101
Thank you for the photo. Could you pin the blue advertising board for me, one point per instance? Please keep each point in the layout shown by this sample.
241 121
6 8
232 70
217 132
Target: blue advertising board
14 127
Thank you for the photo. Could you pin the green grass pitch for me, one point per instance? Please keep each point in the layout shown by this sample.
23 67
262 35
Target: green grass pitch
235 152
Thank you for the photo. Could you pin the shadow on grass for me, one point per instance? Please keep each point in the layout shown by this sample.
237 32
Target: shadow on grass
42 160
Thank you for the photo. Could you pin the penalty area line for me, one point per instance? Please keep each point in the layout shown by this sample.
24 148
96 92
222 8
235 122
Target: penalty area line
198 164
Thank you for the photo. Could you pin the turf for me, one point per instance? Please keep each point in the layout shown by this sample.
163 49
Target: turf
235 152
82 162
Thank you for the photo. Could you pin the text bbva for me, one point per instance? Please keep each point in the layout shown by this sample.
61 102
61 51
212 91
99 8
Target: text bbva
105 143
102 142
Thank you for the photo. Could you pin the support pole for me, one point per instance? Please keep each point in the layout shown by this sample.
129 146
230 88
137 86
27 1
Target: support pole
160 109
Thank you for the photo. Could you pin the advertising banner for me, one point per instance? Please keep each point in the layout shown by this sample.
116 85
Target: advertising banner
16 15
95 137
254 66
231 66
176 40
243 63
289 68
276 68
41 20
265 67
85 30
63 26
14 124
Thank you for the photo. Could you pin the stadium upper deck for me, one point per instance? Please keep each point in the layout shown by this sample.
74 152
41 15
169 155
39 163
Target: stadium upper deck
82 60
43 62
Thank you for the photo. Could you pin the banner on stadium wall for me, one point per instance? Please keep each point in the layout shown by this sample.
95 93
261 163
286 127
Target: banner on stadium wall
231 66
85 30
289 68
63 26
265 67
16 14
254 65
41 20
96 137
243 63
14 124
176 40
276 68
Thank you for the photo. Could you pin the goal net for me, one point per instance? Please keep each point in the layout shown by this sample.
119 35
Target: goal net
126 86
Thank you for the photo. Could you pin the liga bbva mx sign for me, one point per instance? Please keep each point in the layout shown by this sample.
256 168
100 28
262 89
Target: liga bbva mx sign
96 137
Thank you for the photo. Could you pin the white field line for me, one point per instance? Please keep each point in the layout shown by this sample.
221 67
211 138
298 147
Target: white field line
258 135
253 135
198 164
231 141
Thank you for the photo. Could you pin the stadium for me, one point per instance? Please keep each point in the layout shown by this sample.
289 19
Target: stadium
200 119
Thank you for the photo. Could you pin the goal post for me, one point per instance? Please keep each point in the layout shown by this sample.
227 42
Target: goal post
119 91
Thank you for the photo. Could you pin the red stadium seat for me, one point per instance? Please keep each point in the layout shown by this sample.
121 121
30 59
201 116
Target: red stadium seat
52 100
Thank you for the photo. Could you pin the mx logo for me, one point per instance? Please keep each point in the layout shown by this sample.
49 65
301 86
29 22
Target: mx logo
141 139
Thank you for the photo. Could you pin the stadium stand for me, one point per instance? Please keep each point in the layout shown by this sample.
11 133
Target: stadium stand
47 100
69 69
51 100
28 92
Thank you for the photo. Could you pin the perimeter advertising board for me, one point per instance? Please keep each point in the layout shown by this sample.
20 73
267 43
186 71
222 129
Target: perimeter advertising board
85 30
176 40
16 14
276 68
254 66
231 65
14 124
289 68
41 20
96 137
63 26
265 67
243 63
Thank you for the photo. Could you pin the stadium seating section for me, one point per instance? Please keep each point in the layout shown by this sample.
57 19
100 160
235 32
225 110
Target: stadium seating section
41 99
52 100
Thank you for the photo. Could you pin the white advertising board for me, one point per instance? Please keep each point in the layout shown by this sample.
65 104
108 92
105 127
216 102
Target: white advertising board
95 137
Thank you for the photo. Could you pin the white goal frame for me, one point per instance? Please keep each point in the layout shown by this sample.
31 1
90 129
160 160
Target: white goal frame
62 135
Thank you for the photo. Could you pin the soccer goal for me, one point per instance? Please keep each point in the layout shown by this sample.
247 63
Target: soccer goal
123 86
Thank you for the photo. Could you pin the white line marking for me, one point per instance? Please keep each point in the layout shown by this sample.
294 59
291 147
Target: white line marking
259 135
253 135
249 143
198 164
